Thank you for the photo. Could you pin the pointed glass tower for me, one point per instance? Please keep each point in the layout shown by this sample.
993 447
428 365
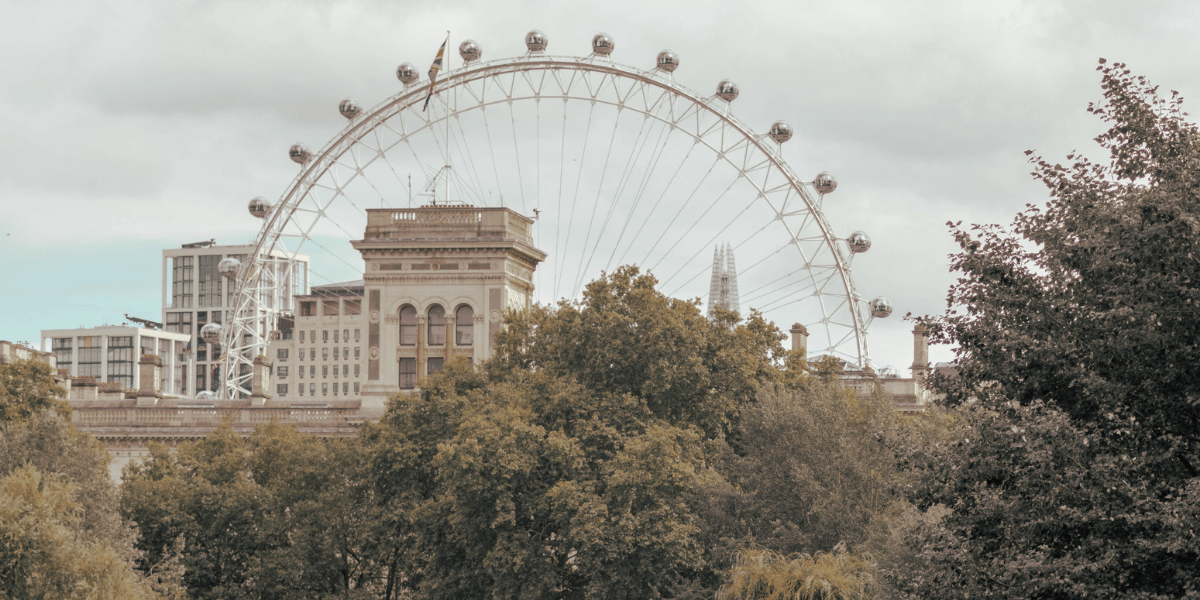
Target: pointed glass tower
723 290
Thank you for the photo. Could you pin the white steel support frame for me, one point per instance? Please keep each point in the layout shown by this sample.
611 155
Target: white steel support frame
536 76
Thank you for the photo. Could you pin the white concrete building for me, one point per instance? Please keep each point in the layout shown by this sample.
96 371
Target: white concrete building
194 294
110 354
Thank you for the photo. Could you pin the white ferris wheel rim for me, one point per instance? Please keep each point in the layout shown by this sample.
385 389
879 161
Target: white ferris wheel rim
252 323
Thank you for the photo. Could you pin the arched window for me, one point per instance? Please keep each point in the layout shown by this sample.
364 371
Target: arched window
437 326
464 326
408 326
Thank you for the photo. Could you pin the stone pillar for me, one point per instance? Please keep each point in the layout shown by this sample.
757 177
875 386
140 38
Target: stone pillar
422 330
451 342
149 380
800 339
83 388
920 366
479 339
261 381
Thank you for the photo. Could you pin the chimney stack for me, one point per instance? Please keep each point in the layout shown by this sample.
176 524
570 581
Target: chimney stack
261 386
800 339
920 366
149 380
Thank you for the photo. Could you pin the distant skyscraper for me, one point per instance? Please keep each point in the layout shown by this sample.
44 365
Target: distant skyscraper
723 291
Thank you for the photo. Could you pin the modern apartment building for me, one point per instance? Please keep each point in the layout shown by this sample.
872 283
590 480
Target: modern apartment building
110 354
194 294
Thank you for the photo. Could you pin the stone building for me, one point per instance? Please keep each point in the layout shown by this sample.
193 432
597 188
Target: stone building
438 280
318 353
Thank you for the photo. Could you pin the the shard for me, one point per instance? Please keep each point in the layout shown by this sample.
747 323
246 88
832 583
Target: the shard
723 290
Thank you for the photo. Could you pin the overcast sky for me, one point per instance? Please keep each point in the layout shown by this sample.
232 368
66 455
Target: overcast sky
128 127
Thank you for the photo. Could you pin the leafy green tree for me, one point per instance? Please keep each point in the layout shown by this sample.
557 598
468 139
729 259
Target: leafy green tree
1075 469
565 466
43 555
766 575
281 515
27 388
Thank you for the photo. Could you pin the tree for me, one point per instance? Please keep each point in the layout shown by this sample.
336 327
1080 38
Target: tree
287 515
566 465
1075 472
27 388
42 551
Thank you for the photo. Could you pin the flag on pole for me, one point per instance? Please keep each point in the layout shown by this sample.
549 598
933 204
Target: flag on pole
433 71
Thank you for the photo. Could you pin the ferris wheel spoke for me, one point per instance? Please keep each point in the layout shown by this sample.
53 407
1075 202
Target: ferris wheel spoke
578 180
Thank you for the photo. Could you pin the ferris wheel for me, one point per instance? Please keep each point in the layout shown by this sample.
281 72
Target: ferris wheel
617 165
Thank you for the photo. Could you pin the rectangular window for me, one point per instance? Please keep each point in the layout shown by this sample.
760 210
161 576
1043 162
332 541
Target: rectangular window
281 389
324 372
282 372
356 372
346 353
312 354
308 309
356 334
301 372
345 370
408 373
335 336
335 353
329 308
312 389
356 388
346 388
335 372
436 364
356 353
120 360
301 354
312 371
281 354
345 335
180 322
62 350
352 307
335 389
312 335
324 389
208 281
301 336
300 388
325 335
181 282
324 353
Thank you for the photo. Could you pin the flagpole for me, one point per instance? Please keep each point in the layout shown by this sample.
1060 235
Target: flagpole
447 44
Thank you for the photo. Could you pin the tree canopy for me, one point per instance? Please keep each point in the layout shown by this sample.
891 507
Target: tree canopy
1074 473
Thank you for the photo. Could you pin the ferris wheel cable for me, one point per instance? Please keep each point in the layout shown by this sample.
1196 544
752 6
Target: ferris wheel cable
788 286
711 240
682 207
575 198
626 177
689 229
562 157
491 149
517 155
595 205
469 158
754 295
632 161
383 153
363 174
816 291
658 202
